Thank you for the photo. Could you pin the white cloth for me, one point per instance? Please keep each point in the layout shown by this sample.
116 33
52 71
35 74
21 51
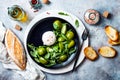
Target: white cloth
30 73
2 31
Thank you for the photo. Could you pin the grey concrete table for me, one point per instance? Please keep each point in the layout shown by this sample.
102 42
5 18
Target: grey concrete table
101 69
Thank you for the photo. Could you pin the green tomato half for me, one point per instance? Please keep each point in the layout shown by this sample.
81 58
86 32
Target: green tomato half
57 25
41 51
70 35
63 58
43 61
71 44
60 39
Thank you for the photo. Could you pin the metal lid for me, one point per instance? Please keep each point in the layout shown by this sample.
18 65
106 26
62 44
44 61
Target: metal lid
91 16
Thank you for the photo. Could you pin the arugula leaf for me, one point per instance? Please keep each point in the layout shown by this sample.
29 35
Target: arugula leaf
47 56
37 60
72 51
76 23
51 63
62 13
32 47
34 53
55 48
63 35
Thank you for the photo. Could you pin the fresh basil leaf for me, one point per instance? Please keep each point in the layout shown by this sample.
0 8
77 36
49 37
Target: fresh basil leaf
76 23
62 13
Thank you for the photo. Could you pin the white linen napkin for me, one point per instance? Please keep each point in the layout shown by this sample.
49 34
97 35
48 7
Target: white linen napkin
30 73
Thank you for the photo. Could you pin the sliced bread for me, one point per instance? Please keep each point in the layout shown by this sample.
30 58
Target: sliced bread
112 33
114 42
90 53
15 49
106 51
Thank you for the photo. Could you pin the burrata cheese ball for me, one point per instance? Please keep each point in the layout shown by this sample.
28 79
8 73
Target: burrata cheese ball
48 38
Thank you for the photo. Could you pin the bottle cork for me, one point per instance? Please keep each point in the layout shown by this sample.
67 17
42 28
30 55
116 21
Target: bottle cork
105 14
45 1
17 27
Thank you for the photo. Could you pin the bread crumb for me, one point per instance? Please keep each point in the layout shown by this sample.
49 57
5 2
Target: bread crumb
105 14
17 27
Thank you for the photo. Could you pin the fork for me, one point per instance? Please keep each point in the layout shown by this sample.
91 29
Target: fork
84 37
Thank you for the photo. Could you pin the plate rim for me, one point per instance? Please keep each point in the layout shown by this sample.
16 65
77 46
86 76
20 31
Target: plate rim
71 19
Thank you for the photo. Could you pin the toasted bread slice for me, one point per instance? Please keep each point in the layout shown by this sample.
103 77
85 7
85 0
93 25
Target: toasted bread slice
90 53
106 51
114 42
15 49
112 33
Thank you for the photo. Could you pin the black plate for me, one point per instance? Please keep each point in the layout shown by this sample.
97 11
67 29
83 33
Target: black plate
46 24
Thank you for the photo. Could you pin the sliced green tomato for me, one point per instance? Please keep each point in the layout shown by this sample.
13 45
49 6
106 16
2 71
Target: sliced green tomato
57 25
60 39
64 28
48 49
71 44
43 61
70 35
61 46
41 51
63 58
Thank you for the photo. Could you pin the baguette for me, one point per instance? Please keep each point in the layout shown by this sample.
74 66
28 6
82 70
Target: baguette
90 53
108 52
112 33
15 49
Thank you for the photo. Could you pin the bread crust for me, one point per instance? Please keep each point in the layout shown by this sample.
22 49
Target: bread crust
15 49
113 43
90 53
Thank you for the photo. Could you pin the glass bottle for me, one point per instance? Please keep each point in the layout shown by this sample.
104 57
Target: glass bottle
36 4
17 13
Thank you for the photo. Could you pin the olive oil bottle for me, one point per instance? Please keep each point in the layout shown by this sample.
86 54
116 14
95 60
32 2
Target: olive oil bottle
17 13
